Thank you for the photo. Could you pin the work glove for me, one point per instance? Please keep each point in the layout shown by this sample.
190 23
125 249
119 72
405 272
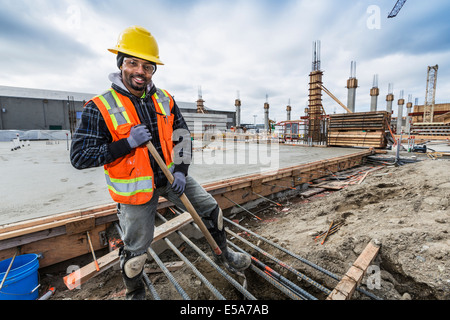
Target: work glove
179 182
138 136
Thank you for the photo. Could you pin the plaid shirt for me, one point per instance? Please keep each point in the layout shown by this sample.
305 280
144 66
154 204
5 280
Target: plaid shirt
93 146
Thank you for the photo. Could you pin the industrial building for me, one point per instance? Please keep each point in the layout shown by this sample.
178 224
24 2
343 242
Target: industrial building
37 109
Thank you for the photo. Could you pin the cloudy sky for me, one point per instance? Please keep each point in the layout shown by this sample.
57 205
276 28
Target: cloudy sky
256 47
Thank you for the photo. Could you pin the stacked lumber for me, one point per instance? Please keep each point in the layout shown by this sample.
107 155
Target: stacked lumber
360 129
431 129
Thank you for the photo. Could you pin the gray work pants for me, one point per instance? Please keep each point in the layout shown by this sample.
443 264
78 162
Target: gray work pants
138 221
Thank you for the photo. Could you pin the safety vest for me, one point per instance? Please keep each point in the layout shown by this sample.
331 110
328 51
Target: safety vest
130 178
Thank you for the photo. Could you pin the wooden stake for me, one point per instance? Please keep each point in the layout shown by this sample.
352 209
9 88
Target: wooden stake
7 271
323 241
92 250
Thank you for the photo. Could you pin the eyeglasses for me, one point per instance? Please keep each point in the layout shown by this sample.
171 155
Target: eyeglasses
134 64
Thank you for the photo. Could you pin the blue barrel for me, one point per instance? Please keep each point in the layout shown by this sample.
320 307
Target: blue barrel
22 281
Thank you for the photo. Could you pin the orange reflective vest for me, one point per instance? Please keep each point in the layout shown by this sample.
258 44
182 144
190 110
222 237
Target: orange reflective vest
130 178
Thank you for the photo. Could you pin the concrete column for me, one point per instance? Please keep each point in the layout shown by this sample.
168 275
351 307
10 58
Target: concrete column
374 93
352 84
266 116
401 102
237 103
408 117
389 100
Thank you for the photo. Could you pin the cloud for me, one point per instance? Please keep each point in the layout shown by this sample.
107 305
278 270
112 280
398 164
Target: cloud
254 47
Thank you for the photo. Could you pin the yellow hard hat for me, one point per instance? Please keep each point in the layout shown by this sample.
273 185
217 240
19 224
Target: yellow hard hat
138 42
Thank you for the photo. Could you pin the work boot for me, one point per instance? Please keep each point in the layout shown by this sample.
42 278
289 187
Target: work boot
132 271
236 260
135 287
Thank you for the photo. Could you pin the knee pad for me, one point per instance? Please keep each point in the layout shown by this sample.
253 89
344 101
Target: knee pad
133 266
215 220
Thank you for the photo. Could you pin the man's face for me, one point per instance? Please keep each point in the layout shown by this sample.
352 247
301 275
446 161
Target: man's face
136 75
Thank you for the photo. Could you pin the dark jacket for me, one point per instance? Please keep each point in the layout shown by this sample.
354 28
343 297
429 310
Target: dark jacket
92 144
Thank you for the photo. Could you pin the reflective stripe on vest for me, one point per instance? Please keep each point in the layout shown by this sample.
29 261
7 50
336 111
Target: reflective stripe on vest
163 100
129 187
115 108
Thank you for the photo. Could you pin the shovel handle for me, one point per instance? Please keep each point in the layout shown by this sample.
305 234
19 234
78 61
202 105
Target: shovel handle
185 200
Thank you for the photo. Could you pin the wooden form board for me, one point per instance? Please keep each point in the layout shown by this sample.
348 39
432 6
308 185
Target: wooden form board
89 271
345 288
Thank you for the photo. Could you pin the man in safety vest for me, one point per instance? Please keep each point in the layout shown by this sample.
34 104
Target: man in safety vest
115 127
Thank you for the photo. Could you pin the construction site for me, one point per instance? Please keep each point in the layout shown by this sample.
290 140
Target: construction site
345 206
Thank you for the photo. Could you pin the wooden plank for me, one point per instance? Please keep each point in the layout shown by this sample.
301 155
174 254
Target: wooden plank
345 288
51 224
310 192
60 248
171 266
89 271
80 226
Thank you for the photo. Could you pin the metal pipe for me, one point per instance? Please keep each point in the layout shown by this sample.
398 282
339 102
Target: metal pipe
166 271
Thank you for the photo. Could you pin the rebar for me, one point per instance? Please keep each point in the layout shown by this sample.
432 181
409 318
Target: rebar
208 284
309 263
166 271
238 205
281 263
265 198
236 284
232 281
276 284
292 286
150 287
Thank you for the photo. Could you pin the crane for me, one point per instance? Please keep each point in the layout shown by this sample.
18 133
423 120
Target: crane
396 8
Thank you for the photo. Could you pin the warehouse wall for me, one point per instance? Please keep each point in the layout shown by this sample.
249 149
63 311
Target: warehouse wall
35 114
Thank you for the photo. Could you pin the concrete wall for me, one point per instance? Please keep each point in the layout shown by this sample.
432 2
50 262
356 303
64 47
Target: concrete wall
35 114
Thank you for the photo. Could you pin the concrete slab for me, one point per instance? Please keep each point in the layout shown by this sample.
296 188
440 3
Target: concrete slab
38 180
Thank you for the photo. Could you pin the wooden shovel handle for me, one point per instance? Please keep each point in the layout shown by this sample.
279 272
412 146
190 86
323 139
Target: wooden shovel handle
185 200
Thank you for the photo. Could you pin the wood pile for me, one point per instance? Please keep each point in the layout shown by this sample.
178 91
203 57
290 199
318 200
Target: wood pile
430 129
360 129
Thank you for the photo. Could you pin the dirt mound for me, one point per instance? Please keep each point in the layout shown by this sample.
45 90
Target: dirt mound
407 209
